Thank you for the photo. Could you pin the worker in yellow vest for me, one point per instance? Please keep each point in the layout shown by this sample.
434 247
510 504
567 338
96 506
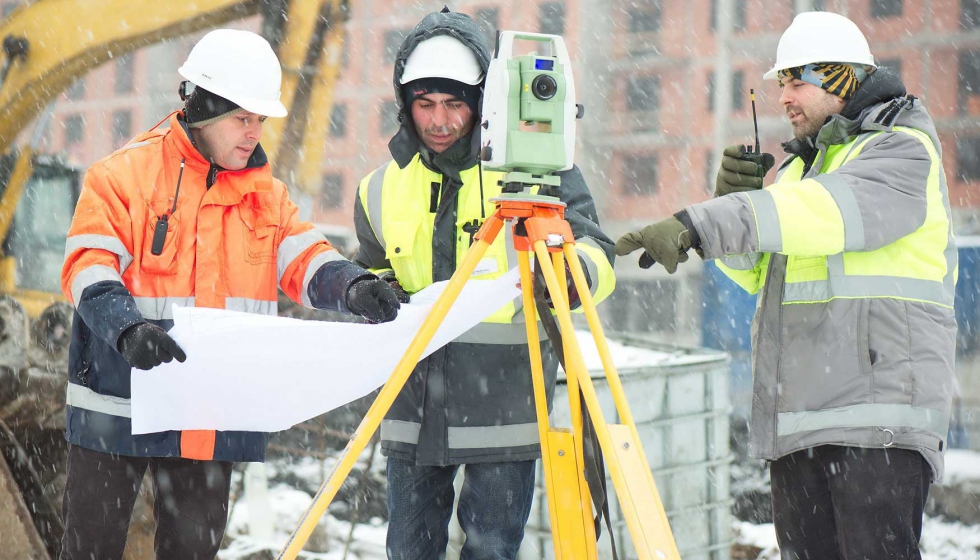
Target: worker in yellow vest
471 401
852 254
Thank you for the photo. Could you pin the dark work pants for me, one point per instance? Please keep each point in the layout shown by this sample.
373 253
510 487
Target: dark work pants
494 505
849 503
190 505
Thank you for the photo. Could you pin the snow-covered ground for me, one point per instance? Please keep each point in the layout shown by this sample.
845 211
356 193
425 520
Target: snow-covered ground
941 539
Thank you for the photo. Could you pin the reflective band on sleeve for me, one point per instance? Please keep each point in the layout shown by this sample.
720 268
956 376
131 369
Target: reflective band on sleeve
78 396
766 221
849 210
162 307
489 437
315 264
400 431
748 261
374 206
498 333
293 246
248 305
91 275
104 242
861 415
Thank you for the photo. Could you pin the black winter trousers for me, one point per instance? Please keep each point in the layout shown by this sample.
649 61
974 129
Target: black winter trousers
190 505
849 503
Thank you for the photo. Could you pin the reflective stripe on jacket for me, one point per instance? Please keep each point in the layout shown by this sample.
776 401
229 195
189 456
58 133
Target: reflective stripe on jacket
233 241
855 263
471 401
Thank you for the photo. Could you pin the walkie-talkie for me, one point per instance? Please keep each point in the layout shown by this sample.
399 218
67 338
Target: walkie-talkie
163 222
766 161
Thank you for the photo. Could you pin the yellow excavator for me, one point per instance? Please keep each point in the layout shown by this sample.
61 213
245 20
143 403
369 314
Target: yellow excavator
47 45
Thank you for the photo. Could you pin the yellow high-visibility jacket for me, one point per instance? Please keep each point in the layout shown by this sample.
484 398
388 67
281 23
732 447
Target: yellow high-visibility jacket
854 261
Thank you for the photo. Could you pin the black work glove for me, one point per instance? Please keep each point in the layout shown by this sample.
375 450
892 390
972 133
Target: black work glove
574 300
400 292
666 242
373 298
145 346
741 171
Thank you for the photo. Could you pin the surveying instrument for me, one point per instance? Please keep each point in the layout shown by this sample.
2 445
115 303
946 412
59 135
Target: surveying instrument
528 132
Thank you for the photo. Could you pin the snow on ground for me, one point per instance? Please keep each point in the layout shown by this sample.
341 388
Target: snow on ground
962 464
941 540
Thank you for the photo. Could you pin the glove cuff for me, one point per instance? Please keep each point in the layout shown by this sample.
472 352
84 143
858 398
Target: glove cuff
684 218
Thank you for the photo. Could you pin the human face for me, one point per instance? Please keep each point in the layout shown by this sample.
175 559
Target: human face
807 106
230 141
440 120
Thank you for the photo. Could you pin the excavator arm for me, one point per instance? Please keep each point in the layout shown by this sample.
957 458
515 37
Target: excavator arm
47 45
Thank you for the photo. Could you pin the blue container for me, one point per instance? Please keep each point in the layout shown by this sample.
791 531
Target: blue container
967 303
726 312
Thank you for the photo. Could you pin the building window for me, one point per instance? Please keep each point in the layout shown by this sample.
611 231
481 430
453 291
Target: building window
76 90
970 13
886 8
968 158
815 6
738 96
738 15
338 120
487 19
968 99
644 16
74 129
389 118
122 127
393 42
642 93
551 18
332 191
640 174
124 74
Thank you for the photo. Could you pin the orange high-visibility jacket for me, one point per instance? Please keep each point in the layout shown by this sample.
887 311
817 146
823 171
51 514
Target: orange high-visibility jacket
234 238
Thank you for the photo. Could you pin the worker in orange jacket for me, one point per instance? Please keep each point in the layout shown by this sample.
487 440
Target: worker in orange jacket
188 215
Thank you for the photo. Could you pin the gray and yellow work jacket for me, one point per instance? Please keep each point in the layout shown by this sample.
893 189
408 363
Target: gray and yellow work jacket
853 256
472 400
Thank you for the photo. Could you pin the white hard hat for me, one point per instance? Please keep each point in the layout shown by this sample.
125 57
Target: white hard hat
239 66
821 37
443 56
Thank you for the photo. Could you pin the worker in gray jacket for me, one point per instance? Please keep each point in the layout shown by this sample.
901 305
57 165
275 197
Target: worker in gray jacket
470 402
851 252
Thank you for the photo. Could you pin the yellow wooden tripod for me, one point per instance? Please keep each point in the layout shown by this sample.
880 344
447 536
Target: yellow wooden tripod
543 231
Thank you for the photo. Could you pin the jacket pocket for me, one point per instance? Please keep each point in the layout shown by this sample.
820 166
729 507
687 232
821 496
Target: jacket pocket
410 269
165 263
261 219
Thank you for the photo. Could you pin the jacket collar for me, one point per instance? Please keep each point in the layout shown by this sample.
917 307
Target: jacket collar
874 96
243 181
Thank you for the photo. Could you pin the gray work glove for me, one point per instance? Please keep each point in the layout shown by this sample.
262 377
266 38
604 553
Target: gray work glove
666 242
373 298
145 346
741 171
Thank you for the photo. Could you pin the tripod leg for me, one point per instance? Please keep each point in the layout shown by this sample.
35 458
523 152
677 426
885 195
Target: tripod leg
383 402
568 499
637 495
612 376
